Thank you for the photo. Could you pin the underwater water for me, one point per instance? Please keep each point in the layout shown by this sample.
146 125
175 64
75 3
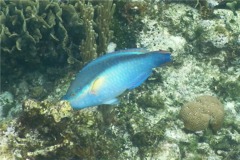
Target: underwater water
187 109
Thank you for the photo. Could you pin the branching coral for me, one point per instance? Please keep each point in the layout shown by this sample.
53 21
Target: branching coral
103 21
97 28
88 46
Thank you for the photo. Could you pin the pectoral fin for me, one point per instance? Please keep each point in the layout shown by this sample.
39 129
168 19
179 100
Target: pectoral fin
139 79
96 85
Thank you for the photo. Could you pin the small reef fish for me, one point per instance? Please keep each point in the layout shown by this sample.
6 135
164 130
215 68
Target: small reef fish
102 80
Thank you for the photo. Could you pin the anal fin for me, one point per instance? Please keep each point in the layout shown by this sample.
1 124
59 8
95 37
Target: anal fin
113 101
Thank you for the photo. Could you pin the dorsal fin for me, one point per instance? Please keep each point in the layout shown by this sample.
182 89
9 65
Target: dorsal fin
118 53
131 51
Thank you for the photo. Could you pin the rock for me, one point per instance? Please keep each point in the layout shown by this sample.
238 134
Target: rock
6 101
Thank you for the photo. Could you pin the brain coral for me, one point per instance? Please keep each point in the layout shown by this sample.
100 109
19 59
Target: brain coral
204 112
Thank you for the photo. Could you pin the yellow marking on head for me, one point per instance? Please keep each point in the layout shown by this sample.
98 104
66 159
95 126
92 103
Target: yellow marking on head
96 85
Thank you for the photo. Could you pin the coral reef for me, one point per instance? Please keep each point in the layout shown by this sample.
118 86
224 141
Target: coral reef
42 40
203 112
46 128
43 45
197 70
58 24
39 34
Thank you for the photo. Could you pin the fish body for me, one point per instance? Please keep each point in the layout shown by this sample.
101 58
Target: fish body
105 78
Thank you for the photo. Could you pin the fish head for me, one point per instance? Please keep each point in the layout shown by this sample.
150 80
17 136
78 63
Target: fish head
87 95
80 98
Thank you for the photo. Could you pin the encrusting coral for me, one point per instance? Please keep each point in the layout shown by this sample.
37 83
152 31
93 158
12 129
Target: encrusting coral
204 112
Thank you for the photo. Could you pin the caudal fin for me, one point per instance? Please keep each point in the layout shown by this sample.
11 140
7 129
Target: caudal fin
160 57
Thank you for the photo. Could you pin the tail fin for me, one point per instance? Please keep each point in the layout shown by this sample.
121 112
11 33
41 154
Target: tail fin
160 58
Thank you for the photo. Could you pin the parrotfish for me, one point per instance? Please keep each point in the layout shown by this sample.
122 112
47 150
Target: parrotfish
102 80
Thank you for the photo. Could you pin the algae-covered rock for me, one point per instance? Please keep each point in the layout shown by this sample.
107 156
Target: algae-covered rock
60 132
6 102
56 111
53 126
228 86
7 132
204 112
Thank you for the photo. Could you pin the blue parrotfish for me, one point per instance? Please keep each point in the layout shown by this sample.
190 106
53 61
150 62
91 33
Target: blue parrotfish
102 80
